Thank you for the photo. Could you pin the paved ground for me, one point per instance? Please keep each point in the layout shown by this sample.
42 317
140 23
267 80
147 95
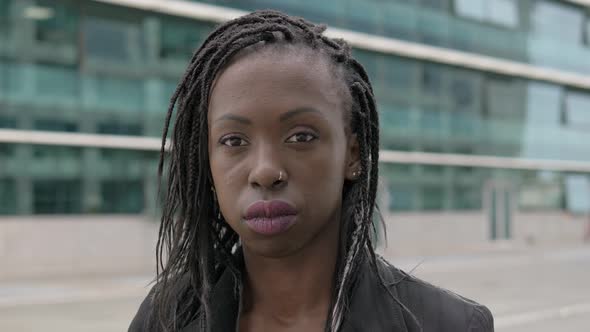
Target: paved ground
528 290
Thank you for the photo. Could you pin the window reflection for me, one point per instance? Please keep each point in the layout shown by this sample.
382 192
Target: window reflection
555 20
501 12
122 196
58 24
119 128
57 196
578 110
112 40
114 93
5 18
8 195
57 81
55 125
179 39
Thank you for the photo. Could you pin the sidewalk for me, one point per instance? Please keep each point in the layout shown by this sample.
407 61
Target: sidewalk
519 285
72 290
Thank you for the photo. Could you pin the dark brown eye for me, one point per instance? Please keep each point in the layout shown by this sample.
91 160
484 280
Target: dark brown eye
301 137
233 141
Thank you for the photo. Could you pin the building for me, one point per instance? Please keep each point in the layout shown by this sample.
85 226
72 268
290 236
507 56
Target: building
485 112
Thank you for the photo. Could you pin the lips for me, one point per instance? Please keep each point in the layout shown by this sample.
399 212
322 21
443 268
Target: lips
270 217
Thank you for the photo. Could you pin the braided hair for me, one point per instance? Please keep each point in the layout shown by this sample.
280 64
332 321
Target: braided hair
195 243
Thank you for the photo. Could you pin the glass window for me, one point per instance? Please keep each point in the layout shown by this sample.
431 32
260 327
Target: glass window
56 22
7 150
119 128
502 96
555 20
432 79
55 125
501 12
56 196
397 76
7 121
578 109
119 93
56 81
179 39
368 60
432 197
59 153
431 124
467 197
122 196
471 8
8 195
544 104
464 89
5 18
12 82
435 4
113 40
401 197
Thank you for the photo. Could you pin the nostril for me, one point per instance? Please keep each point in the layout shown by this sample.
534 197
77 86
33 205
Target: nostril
278 183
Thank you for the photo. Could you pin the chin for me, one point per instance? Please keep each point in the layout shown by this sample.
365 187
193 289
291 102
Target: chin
276 247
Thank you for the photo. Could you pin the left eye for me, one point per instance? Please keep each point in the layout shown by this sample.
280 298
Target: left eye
301 138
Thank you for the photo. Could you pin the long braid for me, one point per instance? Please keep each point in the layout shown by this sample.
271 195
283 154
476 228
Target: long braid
196 241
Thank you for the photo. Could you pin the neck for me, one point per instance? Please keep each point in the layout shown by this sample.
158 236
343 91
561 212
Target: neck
294 287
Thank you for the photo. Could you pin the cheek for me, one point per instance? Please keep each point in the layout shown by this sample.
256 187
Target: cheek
229 176
322 175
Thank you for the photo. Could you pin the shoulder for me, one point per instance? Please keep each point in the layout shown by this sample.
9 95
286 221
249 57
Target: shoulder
140 322
436 308
145 320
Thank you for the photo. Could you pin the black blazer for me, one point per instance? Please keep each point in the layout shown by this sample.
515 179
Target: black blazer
372 309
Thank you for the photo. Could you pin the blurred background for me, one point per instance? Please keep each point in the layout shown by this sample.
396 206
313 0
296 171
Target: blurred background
485 137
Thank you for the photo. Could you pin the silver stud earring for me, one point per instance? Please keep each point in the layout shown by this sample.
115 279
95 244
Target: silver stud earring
280 175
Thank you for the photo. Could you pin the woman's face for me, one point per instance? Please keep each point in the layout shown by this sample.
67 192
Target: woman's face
279 151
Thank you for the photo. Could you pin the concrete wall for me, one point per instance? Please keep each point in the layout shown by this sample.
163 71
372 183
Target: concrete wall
41 246
441 233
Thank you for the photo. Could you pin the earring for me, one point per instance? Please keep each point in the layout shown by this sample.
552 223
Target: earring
280 175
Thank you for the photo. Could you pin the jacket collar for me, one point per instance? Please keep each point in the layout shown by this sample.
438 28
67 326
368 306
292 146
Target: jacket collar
371 307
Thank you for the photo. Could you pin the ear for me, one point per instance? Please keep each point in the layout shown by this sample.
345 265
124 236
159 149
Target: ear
353 162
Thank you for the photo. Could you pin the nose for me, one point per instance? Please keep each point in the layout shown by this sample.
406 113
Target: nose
267 171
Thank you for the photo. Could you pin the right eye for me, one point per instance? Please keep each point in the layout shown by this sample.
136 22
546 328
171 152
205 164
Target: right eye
233 141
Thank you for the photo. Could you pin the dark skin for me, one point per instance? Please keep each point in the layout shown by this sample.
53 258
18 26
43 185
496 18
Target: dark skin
281 110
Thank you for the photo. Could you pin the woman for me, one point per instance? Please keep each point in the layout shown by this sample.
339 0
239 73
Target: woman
272 181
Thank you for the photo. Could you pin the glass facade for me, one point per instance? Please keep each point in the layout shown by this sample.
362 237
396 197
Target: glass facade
86 67
522 30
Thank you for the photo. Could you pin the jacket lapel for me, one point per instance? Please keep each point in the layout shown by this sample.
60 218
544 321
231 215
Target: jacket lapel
224 306
372 307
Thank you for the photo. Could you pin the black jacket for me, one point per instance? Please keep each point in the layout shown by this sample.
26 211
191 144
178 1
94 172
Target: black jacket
372 309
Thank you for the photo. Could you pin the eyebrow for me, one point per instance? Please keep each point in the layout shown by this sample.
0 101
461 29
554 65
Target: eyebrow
234 117
292 113
284 117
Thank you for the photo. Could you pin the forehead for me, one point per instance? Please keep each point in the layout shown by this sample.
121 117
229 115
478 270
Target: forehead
281 76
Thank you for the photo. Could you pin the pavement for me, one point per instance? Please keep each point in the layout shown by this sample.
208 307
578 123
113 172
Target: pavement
539 290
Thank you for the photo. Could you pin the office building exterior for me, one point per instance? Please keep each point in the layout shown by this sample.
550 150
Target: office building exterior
484 105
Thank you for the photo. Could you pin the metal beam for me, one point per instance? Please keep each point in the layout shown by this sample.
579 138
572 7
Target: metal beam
447 159
584 3
376 43
80 140
386 156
